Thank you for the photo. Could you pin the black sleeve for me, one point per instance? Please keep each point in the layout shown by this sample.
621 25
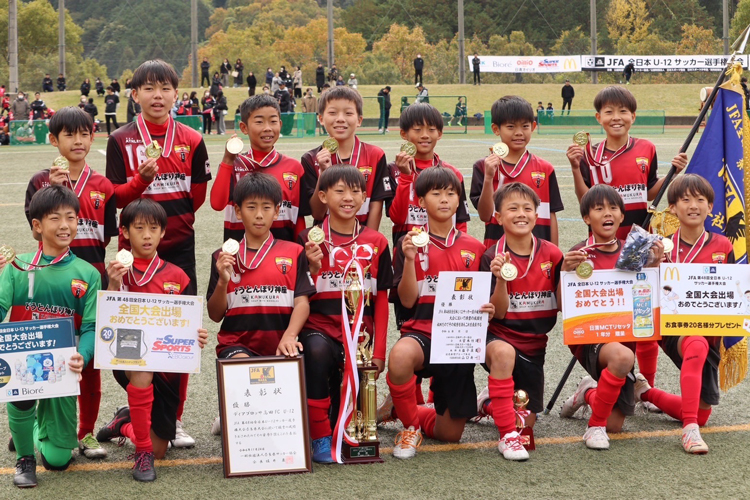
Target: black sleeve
558 268
382 189
484 265
477 182
304 285
653 176
309 181
201 168
30 190
730 258
555 200
385 271
110 216
117 100
585 172
116 168
462 213
213 278
398 264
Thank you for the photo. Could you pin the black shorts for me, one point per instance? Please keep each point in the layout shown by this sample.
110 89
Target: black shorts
528 375
183 256
166 401
233 350
710 379
452 384
589 359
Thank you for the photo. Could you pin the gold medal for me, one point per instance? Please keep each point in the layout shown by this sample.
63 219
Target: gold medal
8 252
409 148
668 245
421 239
61 162
316 235
231 246
509 272
331 144
235 145
584 270
153 150
500 149
581 138
125 258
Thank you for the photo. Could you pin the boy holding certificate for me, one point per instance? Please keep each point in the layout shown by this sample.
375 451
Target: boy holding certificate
526 278
691 199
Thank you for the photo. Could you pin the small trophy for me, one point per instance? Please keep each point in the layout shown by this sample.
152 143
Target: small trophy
520 401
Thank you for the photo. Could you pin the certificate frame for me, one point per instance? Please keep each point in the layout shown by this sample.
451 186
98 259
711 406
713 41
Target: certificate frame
280 364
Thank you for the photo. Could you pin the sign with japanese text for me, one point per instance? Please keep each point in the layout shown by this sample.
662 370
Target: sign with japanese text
528 64
34 359
705 299
263 412
148 332
667 63
610 306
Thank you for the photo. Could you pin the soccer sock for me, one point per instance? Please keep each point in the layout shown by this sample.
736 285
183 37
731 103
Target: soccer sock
427 418
56 458
21 423
703 416
666 402
603 398
320 424
694 353
405 401
501 395
141 401
183 394
648 356
89 400
420 394
430 394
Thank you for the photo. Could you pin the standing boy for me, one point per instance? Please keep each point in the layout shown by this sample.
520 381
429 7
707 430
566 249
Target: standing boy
111 100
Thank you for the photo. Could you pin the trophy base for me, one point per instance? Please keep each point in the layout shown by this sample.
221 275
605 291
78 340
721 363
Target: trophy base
527 438
367 452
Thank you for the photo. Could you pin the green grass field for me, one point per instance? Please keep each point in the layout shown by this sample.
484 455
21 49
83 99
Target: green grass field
648 462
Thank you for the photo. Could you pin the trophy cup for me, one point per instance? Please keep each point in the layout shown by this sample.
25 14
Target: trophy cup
363 425
520 401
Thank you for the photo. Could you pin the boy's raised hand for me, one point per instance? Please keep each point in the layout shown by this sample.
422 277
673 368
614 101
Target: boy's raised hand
324 159
229 157
656 254
148 169
573 259
680 161
491 164
408 246
575 155
58 176
497 264
224 265
202 337
404 162
314 256
76 364
115 271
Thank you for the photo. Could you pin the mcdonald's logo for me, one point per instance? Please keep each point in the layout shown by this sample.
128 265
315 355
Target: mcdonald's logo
570 63
671 272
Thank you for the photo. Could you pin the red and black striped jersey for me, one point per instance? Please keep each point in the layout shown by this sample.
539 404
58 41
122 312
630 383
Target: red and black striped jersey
632 174
598 257
404 210
97 218
371 162
540 176
717 250
464 255
532 312
260 301
168 279
187 165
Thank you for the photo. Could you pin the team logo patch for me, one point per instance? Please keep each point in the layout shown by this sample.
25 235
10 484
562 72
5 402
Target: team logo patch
290 179
387 184
262 375
283 264
366 171
172 288
78 287
468 257
719 257
97 198
642 163
463 284
183 150
538 178
546 269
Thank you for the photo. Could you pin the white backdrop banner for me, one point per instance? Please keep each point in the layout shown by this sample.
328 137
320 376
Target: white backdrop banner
652 64
528 64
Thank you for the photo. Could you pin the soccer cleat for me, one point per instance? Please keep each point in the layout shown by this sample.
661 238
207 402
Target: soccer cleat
511 447
216 427
596 438
692 441
641 386
89 447
143 469
385 410
578 399
407 442
112 429
322 450
181 438
25 472
483 397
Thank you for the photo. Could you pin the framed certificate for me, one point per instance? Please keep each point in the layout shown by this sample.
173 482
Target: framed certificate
263 409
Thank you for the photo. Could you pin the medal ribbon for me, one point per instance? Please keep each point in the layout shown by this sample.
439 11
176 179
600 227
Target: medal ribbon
332 248
517 168
252 164
595 160
591 243
34 264
521 415
357 148
501 245
146 135
694 250
240 265
81 182
147 275
436 161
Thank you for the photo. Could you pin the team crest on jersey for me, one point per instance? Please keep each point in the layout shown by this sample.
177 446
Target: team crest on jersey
172 288
283 264
538 178
468 258
97 198
642 163
290 179
183 150
719 257
366 171
546 269
78 287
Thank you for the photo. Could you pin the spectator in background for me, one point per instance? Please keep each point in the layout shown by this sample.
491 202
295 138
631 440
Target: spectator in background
195 105
568 93
550 110
352 82
185 107
269 77
20 108
91 109
276 83
252 82
423 95
38 107
82 102
133 108
266 89
340 82
111 100
384 99
320 77
628 71
216 85
86 87
225 69
115 86
238 74
127 87
297 83
475 63
539 111
205 68
418 67
286 107
47 84
284 75
220 111
459 114
208 103
61 84
333 75
310 102
99 86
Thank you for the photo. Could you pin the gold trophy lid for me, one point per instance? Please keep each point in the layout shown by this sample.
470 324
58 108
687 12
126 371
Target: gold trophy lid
8 252
235 145
581 138
501 149
61 162
409 148
331 144
520 399
316 235
153 150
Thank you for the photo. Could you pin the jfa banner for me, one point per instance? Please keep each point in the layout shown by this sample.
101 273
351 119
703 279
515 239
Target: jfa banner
148 332
610 306
528 64
705 299
666 63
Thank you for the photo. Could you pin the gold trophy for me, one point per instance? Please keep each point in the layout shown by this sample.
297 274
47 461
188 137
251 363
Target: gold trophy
520 401
363 425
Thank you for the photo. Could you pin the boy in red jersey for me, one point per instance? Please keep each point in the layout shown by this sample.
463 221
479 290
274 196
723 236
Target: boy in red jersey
608 389
72 133
176 176
517 335
340 112
415 276
150 422
261 122
513 121
630 166
342 193
262 308
691 199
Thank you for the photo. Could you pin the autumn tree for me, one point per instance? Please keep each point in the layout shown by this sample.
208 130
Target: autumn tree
402 45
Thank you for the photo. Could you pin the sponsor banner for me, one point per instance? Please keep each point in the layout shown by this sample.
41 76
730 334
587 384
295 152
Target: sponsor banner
667 63
528 64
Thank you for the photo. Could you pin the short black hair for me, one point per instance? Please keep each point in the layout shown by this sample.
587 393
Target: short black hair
256 102
511 109
600 195
437 177
109 87
340 93
50 198
258 186
615 95
143 209
689 184
420 114
669 288
517 188
71 119
154 71
345 173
